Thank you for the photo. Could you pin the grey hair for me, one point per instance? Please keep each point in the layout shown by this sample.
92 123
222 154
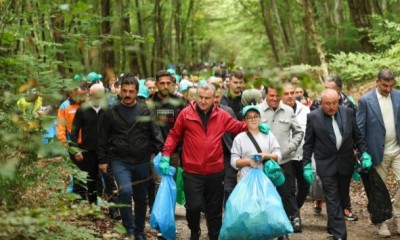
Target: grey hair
206 87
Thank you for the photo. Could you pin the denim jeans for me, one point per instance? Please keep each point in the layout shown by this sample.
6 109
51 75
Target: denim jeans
132 180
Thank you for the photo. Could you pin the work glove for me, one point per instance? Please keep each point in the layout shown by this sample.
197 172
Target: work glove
356 176
164 165
308 173
264 128
366 161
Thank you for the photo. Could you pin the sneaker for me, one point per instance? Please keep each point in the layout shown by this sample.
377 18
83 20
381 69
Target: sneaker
140 237
114 214
349 216
383 231
317 206
296 223
195 235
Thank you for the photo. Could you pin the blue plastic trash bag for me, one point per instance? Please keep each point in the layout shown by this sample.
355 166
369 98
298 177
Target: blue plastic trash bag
162 216
156 162
50 134
254 210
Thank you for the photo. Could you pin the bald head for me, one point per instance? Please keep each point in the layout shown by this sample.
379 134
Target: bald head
330 102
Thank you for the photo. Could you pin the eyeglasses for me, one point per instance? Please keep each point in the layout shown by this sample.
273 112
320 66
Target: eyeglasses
252 118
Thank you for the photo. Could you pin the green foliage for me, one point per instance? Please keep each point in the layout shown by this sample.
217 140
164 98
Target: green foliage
361 67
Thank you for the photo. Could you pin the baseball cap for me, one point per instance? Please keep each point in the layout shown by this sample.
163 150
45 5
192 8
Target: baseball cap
250 108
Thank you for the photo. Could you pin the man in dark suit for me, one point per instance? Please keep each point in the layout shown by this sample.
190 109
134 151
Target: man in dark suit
379 121
331 133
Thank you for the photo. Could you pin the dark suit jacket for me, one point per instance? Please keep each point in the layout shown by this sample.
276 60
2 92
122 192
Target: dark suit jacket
330 161
370 122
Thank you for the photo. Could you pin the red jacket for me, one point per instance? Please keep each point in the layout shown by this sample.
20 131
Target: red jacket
202 146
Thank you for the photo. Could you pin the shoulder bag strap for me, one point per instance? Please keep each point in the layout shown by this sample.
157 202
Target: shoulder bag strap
253 140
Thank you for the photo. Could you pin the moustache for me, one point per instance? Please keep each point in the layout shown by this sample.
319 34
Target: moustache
127 98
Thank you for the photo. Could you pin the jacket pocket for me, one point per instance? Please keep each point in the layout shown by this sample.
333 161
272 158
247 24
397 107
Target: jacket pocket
284 125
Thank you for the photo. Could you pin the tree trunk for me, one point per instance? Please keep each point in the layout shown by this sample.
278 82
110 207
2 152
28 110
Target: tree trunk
177 21
282 32
268 29
127 46
57 21
360 12
308 13
185 30
106 51
142 46
292 31
338 13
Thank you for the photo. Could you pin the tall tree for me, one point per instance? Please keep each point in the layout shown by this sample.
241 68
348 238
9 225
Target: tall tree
57 20
308 13
360 11
107 51
268 29
142 47
281 28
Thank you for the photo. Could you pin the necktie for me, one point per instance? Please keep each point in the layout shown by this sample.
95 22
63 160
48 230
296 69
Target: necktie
338 135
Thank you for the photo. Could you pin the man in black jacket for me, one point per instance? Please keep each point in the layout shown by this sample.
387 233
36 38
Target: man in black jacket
129 135
86 125
331 133
167 107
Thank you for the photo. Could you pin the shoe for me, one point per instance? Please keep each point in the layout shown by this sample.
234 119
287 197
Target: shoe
195 235
383 231
140 237
284 237
317 206
349 216
114 214
397 221
335 238
296 224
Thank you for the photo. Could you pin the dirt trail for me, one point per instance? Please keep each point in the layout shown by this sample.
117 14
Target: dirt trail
314 225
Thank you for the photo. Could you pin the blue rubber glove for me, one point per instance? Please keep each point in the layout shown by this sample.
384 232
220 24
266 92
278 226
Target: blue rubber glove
366 161
308 173
164 165
264 128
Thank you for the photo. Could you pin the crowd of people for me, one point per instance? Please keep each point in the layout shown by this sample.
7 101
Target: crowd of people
112 131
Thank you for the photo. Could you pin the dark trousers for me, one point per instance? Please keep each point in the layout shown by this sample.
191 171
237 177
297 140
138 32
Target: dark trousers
132 180
287 191
230 179
204 192
302 185
344 192
332 187
89 164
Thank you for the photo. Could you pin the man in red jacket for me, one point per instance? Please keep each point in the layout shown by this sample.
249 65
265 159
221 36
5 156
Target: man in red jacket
201 125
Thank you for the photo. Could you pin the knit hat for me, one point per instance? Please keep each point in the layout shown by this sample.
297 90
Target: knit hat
251 97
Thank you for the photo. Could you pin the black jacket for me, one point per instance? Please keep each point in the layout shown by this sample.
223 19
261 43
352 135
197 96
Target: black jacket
87 121
166 111
330 161
133 143
235 103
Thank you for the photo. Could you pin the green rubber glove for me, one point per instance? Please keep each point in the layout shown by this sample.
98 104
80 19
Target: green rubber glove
366 161
356 176
308 173
164 165
264 128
